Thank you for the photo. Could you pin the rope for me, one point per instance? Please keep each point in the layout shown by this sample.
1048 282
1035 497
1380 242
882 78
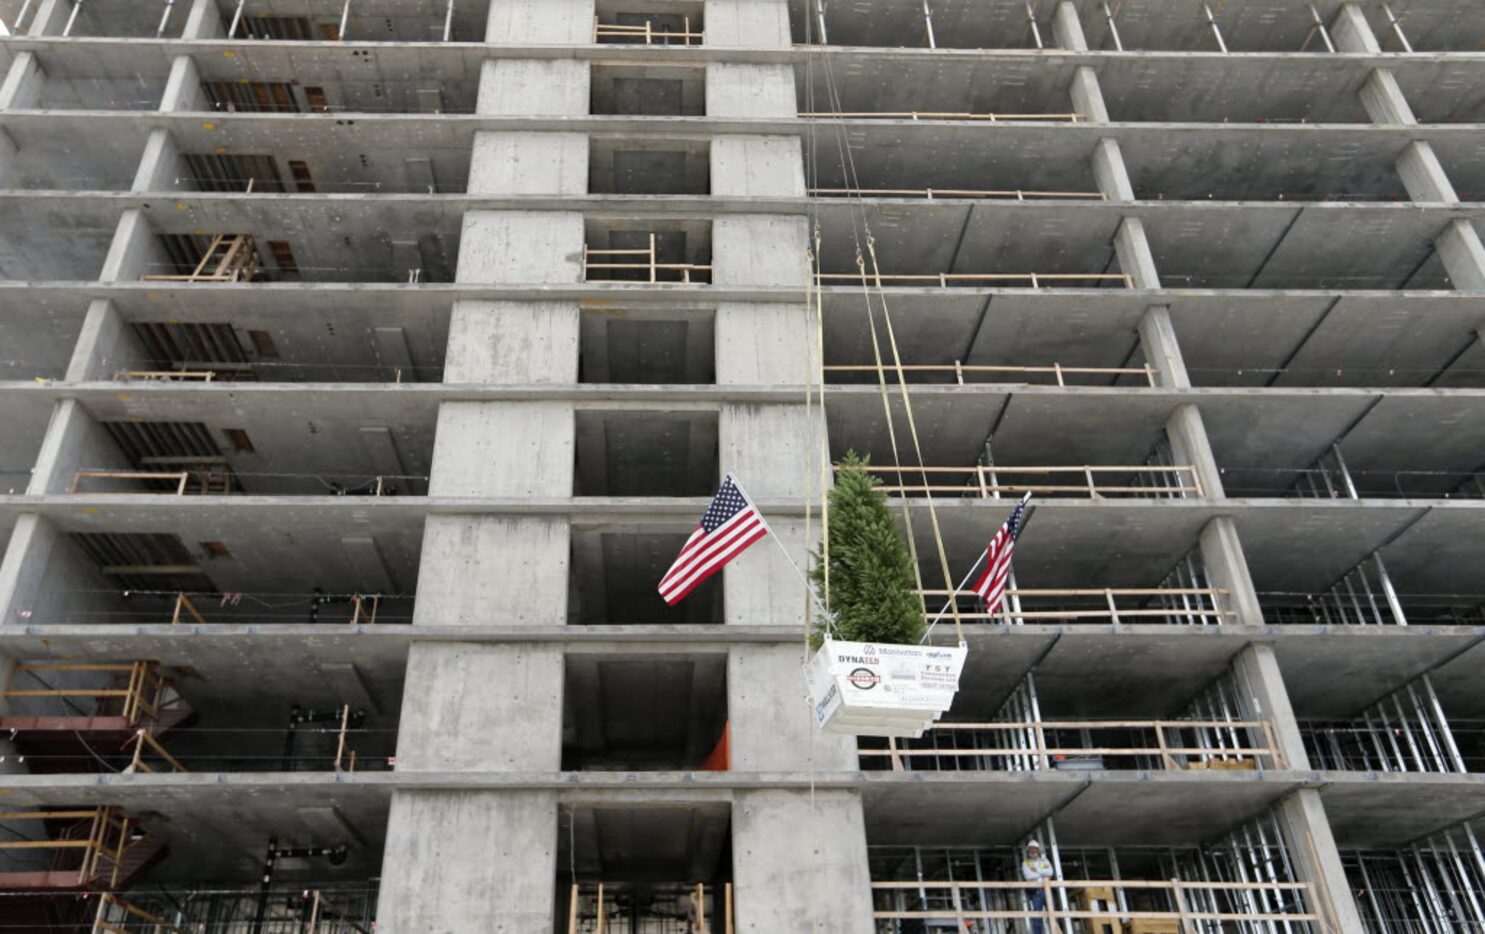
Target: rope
907 405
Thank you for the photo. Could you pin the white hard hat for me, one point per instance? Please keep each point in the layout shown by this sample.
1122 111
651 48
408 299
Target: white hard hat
1034 845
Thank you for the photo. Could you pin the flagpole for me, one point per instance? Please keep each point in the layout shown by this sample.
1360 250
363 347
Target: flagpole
947 603
778 541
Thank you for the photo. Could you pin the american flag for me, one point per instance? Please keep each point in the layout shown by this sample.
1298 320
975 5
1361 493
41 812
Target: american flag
728 527
991 585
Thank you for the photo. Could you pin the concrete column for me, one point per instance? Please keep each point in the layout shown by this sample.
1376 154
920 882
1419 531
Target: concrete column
1110 172
1423 176
1162 350
750 91
204 21
1135 257
1087 96
51 17
757 166
1227 568
135 250
534 87
540 22
183 90
470 861
488 708
1317 861
1262 683
74 441
529 164
1067 28
1384 100
752 24
47 579
1191 446
105 346
778 734
760 250
161 167
799 861
762 344
1350 32
1462 254
513 343
23 83
8 150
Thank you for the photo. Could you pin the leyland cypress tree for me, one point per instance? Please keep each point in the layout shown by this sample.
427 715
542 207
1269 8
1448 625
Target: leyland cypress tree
871 571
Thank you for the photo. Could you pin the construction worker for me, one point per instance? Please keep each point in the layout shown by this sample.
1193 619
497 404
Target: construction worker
1036 868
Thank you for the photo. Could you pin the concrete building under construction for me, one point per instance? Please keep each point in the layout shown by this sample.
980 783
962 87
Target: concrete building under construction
365 363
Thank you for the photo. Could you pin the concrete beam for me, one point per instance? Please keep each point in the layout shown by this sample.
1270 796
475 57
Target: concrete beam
799 861
470 861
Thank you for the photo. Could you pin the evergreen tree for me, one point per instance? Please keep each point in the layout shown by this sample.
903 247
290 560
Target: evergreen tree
871 570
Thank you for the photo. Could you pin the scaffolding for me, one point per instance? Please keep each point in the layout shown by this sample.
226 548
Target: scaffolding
93 848
315 909
649 908
641 265
1211 735
1406 731
227 258
1435 885
1242 885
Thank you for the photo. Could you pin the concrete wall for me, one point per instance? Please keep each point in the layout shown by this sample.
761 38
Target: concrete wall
755 24
106 345
469 861
47 579
493 570
513 343
799 861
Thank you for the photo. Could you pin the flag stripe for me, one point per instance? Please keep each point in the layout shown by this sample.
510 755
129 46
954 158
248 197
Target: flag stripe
992 582
715 566
702 544
720 547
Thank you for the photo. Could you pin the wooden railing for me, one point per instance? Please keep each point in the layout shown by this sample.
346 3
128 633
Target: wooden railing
201 482
698 918
645 262
1038 752
165 376
1186 916
938 115
1057 371
116 921
1199 605
647 33
229 258
144 697
144 741
1011 194
108 840
990 481
943 279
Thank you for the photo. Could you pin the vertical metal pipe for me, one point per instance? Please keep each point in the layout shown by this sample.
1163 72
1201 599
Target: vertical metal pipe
236 19
1393 602
448 23
1212 20
1321 27
1036 32
928 25
72 17
1397 28
165 18
1428 729
1113 28
345 18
